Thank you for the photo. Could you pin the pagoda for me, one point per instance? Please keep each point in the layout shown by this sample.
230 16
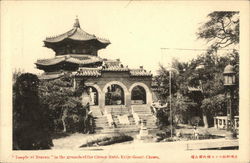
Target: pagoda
119 95
73 49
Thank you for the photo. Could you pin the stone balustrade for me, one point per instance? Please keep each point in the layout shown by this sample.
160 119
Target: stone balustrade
221 122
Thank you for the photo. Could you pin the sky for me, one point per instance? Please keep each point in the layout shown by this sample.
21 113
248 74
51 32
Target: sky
137 30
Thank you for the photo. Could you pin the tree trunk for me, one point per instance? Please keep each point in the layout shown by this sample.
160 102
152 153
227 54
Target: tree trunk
64 115
204 117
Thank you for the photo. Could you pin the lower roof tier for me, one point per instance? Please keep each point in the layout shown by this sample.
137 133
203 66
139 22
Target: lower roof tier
71 58
87 65
69 61
86 72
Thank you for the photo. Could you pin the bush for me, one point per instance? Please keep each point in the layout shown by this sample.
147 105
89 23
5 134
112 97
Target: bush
31 123
108 140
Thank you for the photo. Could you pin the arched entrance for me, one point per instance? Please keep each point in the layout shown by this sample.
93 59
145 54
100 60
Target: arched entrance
145 97
92 93
138 95
117 87
114 95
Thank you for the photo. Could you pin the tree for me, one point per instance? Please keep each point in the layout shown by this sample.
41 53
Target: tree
221 30
162 81
180 102
60 97
209 78
30 121
180 106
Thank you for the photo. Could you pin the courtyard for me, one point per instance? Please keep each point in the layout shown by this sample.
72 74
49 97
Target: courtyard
74 141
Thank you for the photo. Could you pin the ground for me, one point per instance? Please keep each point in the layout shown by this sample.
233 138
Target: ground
74 141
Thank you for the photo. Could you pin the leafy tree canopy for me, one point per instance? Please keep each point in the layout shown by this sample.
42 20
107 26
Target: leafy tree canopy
221 30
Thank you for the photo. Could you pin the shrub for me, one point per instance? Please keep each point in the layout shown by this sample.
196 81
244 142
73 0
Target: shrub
108 140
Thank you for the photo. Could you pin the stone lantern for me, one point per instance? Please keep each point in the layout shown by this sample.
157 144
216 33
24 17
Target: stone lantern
229 76
229 83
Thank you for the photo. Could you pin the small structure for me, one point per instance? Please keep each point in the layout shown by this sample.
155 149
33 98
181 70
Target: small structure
143 131
114 89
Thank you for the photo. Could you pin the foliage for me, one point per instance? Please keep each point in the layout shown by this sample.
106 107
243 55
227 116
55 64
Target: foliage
16 74
60 97
107 140
163 82
221 29
180 108
138 93
215 105
209 79
31 125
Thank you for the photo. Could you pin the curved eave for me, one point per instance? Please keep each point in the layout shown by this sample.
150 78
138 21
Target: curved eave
76 34
49 63
101 41
42 66
68 62
100 44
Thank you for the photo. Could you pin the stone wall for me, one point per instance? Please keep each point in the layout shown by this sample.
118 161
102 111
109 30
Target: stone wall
122 79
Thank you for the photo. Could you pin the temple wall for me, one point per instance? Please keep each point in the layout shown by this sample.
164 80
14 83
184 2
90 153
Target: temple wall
122 79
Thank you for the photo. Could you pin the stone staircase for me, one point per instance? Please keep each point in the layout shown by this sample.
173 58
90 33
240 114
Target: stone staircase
96 111
102 126
143 112
119 110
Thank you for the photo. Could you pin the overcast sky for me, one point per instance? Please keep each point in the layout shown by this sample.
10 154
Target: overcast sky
137 30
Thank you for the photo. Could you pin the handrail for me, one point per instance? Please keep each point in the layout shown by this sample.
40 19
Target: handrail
136 117
110 120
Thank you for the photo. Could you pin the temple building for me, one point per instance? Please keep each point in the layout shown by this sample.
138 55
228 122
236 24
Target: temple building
118 95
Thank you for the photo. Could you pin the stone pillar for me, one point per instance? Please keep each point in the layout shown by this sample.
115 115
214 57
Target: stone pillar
226 122
215 122
128 100
223 124
102 101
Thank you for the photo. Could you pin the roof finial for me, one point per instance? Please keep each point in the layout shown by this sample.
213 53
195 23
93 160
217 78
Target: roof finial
77 24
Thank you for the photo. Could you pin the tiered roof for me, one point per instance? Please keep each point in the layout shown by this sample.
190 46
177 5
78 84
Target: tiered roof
51 76
75 34
76 50
71 58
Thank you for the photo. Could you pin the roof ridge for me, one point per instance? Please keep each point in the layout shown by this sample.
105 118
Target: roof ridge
58 35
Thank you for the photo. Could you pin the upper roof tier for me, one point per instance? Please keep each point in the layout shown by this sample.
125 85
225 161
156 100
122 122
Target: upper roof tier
76 41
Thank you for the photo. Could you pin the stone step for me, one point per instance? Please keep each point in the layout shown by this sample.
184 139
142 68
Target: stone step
101 120
145 114
99 123
147 117
117 111
140 108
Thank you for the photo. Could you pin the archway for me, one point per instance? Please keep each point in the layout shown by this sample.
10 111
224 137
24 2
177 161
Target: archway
124 88
114 95
93 92
138 95
148 93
